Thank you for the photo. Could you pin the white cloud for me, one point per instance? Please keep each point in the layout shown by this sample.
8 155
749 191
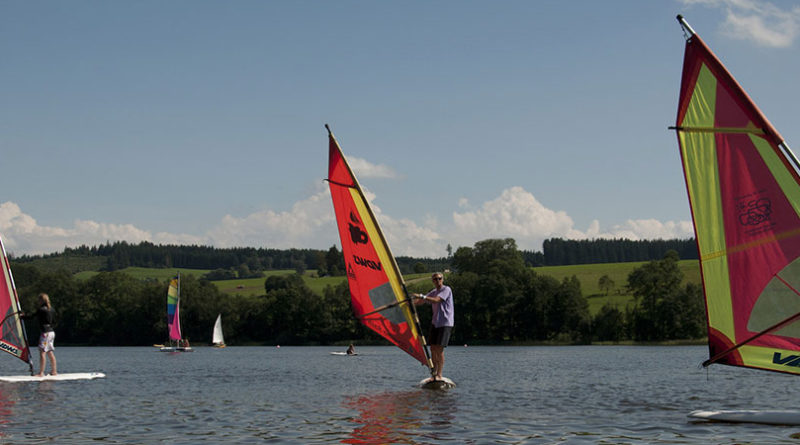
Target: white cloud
366 169
514 214
23 235
310 223
758 21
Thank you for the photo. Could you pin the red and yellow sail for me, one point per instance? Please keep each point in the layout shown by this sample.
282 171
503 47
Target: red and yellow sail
377 290
745 200
12 332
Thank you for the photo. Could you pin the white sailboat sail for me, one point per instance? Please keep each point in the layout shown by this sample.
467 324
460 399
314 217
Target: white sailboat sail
216 337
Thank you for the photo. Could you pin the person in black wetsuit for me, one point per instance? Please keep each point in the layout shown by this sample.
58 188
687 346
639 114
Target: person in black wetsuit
44 315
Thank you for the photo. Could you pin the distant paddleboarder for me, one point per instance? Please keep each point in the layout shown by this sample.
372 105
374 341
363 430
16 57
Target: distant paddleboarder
45 316
441 300
351 350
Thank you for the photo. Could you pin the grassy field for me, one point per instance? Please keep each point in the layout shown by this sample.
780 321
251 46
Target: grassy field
587 274
255 286
146 273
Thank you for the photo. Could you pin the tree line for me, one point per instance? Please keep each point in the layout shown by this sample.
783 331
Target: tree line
560 252
249 262
498 299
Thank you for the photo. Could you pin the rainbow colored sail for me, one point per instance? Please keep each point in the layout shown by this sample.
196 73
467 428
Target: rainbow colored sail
744 192
378 293
13 339
173 308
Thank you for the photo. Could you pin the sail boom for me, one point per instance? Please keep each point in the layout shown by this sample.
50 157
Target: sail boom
719 130
384 307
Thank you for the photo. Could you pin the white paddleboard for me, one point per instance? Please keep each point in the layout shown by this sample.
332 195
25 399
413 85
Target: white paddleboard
176 349
770 417
342 353
69 376
443 383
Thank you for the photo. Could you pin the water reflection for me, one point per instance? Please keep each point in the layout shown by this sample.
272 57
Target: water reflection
401 417
7 397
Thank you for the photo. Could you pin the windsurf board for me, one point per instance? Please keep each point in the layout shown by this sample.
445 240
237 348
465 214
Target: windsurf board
68 376
443 383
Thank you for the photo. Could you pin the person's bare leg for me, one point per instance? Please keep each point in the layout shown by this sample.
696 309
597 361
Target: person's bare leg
437 356
41 363
52 356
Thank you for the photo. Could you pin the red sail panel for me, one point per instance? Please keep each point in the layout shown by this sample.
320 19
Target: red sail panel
375 282
745 200
12 331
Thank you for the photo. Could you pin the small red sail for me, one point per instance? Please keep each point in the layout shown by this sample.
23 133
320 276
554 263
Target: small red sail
12 332
377 290
745 198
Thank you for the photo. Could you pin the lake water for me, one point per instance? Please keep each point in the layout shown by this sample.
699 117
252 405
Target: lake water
579 394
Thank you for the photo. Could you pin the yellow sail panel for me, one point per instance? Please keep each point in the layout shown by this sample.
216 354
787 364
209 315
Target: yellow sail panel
698 151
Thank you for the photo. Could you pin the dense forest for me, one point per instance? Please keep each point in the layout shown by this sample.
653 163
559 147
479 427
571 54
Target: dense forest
499 299
247 262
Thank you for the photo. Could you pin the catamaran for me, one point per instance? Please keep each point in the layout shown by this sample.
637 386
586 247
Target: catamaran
175 342
744 192
377 291
216 336
13 338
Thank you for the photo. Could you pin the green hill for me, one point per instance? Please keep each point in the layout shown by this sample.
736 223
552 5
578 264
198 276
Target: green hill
589 276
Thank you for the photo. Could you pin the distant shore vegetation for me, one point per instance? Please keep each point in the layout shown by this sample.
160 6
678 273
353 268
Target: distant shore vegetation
116 294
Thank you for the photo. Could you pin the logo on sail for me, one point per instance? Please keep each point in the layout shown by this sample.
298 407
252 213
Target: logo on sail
356 234
374 265
9 348
792 360
754 212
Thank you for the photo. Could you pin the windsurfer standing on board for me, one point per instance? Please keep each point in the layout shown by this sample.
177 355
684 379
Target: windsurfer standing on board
44 315
442 321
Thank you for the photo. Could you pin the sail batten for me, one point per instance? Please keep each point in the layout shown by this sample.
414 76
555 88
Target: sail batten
744 192
378 293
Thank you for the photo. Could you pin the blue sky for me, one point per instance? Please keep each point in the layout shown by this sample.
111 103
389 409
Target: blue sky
203 121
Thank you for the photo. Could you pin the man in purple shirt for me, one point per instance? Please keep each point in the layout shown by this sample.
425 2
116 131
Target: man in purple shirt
441 300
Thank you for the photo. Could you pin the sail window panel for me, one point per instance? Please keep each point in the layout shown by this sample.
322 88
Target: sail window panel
383 295
777 302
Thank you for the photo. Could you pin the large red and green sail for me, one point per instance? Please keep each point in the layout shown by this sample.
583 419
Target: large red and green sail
745 199
378 293
12 331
